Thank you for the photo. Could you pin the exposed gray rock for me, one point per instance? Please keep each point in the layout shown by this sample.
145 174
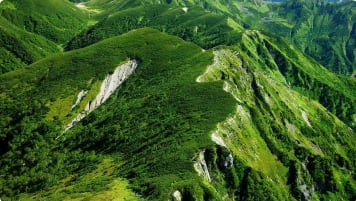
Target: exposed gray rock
108 87
306 190
201 167
229 161
177 195
218 140
111 83
80 96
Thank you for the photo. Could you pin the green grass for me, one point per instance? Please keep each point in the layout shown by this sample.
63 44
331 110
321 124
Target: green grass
96 185
167 114
269 132
161 118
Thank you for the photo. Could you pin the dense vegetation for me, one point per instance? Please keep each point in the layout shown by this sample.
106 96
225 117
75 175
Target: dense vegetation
267 121
56 20
31 30
322 30
203 28
190 116
19 47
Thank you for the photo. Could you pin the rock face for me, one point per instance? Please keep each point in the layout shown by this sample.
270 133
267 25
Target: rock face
229 161
305 117
111 83
201 167
177 195
108 87
80 96
218 140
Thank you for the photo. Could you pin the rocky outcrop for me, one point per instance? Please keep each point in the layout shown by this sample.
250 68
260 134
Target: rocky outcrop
305 117
218 140
303 184
108 87
177 195
111 83
80 96
201 167
229 161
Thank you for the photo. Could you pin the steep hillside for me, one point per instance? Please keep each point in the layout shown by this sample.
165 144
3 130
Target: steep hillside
322 30
57 20
192 24
19 47
238 122
176 65
31 30
208 30
177 100
273 132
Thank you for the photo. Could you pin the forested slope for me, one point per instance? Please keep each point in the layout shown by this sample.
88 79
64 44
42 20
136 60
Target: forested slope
31 30
214 109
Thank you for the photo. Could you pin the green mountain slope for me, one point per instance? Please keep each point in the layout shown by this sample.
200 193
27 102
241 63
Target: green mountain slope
196 25
56 20
238 122
19 47
157 63
206 109
261 133
324 31
208 30
31 30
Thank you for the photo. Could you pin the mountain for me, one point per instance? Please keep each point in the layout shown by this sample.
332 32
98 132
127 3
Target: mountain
194 24
19 47
31 30
56 20
170 100
322 30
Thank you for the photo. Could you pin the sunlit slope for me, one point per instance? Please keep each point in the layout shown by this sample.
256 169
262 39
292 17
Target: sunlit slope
19 47
57 20
194 24
290 139
264 135
32 30
167 103
322 30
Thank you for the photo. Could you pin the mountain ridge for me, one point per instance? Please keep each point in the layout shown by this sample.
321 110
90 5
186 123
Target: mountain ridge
295 20
215 111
